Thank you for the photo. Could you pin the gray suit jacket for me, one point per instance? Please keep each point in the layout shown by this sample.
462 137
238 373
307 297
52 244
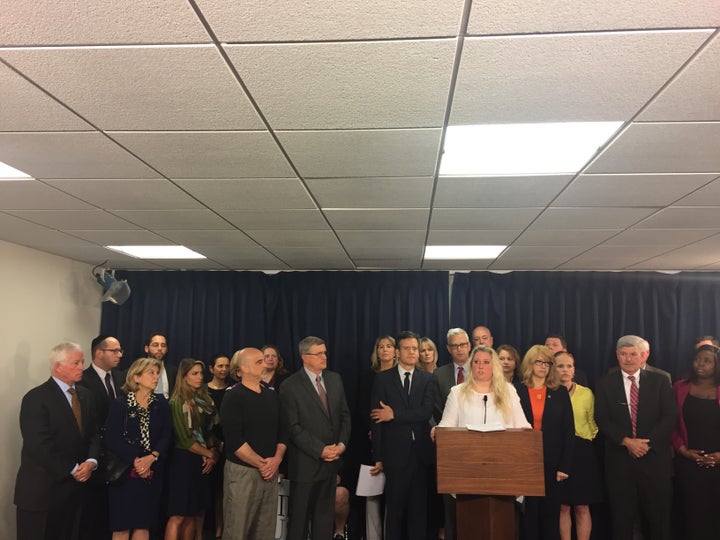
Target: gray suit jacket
309 427
445 376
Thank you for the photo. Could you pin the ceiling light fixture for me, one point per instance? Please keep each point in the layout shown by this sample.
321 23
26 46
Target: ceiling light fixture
505 149
456 253
157 252
10 173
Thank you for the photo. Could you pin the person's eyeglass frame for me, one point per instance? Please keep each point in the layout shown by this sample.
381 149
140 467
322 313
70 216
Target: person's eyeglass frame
539 362
456 346
115 351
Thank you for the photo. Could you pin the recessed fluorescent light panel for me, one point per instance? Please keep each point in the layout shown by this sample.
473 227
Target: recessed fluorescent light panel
505 149
457 253
10 173
157 252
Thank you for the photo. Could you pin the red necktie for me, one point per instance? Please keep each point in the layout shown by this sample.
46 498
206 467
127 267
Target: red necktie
634 398
461 375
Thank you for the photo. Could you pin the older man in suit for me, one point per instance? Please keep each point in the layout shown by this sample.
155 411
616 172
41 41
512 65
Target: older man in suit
458 345
318 422
59 452
635 410
403 399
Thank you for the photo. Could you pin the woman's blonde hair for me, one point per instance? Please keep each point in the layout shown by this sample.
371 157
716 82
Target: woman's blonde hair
431 344
138 367
539 352
498 385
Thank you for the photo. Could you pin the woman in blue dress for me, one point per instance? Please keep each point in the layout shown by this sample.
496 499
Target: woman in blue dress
138 430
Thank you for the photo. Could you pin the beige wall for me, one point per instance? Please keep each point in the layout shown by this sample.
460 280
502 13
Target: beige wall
44 299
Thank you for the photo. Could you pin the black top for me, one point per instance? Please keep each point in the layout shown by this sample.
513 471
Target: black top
702 419
253 418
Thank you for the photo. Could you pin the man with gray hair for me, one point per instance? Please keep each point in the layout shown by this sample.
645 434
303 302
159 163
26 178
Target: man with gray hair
645 354
318 423
635 411
60 449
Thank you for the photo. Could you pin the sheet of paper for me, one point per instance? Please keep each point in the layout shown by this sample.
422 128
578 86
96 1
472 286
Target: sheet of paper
368 485
485 427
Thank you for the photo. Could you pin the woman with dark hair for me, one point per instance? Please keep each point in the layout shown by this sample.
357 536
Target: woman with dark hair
219 367
547 407
275 372
510 362
696 439
138 430
195 453
584 485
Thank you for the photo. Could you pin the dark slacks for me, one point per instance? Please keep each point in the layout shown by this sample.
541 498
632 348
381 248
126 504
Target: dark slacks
60 522
406 498
312 507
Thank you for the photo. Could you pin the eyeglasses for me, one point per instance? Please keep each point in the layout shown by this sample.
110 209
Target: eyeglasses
547 363
115 351
456 346
322 353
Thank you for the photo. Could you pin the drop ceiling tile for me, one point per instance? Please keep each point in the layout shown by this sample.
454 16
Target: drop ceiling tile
43 22
228 238
706 217
482 218
386 253
277 20
276 219
161 88
564 237
314 258
699 254
229 253
535 257
590 218
363 153
662 147
456 265
523 16
294 239
627 254
693 94
669 237
19 231
468 238
33 195
251 154
388 264
122 238
189 264
348 85
26 108
249 193
161 220
128 194
629 189
372 192
70 155
381 239
259 261
503 191
384 219
69 220
566 77
708 195
94 255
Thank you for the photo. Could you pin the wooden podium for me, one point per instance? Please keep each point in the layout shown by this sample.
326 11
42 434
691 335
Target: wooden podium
487 471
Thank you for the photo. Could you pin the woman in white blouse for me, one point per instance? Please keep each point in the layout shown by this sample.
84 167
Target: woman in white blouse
485 397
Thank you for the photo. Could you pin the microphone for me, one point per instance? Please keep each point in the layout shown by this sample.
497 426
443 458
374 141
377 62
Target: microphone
485 402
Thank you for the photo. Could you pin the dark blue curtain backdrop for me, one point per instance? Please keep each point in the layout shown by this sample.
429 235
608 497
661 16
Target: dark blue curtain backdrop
592 310
207 312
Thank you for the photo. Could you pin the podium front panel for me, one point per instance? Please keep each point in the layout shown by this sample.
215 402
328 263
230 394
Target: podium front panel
497 463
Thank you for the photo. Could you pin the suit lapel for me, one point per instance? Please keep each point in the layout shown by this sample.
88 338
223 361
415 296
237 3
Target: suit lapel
310 388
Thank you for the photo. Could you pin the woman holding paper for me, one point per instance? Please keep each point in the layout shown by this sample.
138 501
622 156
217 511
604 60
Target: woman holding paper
485 398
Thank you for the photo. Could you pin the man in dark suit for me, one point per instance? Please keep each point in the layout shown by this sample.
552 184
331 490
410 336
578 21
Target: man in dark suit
635 411
403 398
156 347
103 380
318 423
458 345
59 452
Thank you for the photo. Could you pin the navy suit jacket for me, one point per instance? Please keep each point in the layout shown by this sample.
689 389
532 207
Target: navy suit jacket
655 421
309 427
91 380
558 428
52 445
393 441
